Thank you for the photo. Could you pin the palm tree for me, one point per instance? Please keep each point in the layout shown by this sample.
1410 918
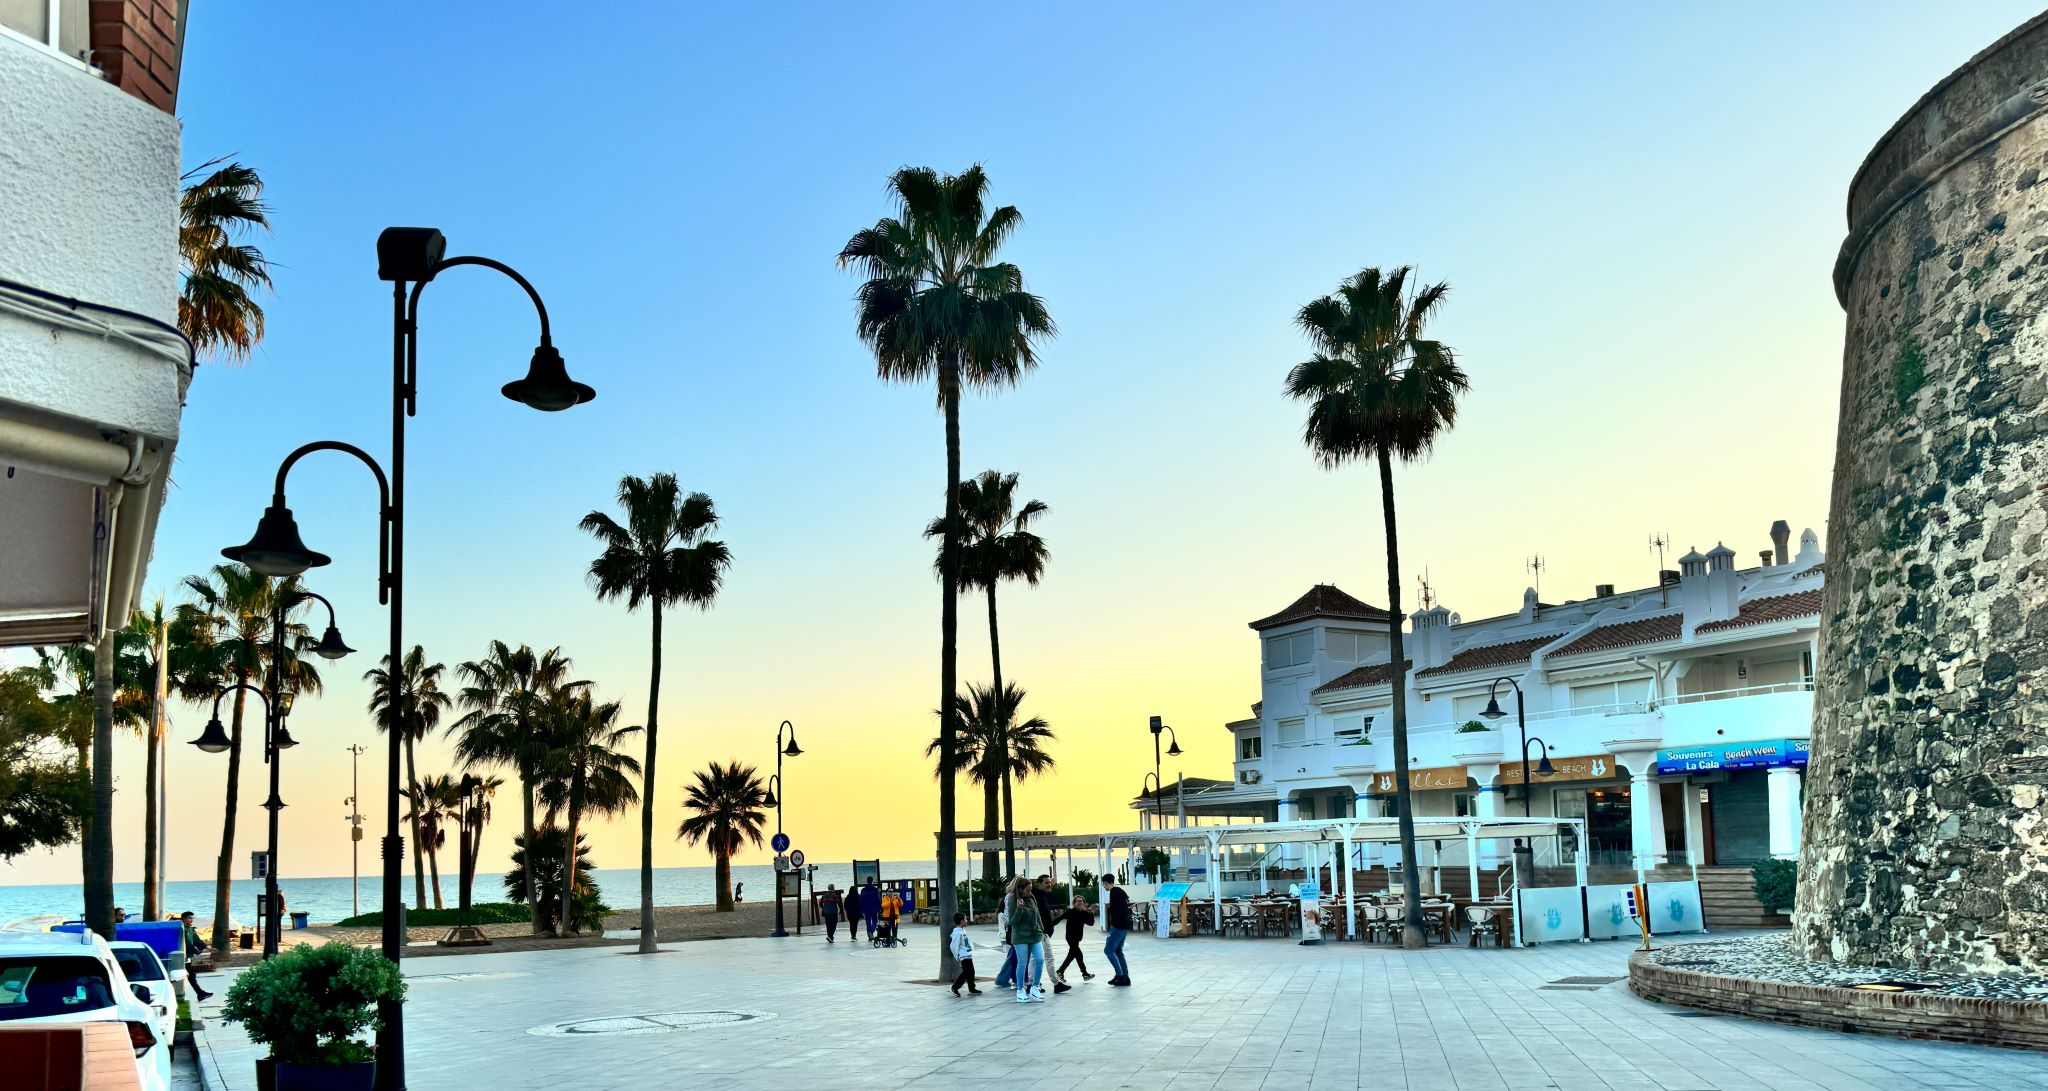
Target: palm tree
506 693
998 545
549 844
436 803
727 801
419 684
994 748
659 558
229 621
1378 389
585 772
937 305
477 815
216 310
152 631
103 679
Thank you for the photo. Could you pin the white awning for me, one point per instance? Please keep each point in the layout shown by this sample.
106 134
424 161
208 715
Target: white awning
1325 830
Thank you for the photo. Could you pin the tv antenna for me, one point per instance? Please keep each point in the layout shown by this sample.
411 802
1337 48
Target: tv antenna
1660 543
1535 567
1427 594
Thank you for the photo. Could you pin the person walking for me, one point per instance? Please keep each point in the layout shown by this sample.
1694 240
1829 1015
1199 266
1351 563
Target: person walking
963 950
193 947
1042 896
892 912
871 906
829 904
1117 905
1006 976
1027 939
1077 917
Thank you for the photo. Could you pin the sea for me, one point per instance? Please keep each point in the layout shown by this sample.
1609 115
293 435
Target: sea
330 899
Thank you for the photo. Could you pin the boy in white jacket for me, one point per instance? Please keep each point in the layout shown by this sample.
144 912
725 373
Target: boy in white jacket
963 949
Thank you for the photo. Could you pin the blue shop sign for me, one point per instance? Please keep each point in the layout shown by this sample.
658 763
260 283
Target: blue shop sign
1769 754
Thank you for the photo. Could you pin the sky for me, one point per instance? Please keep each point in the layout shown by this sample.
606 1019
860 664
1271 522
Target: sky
1637 208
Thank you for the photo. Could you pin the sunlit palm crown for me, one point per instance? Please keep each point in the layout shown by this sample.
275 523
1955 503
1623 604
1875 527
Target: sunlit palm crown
584 763
991 734
216 308
227 631
1376 383
660 555
997 542
935 298
506 693
726 802
419 684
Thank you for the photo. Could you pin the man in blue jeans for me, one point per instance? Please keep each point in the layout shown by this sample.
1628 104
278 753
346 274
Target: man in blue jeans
1117 910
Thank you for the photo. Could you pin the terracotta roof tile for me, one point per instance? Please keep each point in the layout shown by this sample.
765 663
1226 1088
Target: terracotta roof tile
1323 600
1378 674
1775 608
1621 634
1491 655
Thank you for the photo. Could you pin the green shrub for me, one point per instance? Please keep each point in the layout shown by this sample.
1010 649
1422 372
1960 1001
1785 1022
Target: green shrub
1471 726
487 913
309 1003
587 909
1777 881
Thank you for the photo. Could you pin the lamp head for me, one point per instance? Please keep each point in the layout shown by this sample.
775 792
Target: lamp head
1173 748
791 750
547 386
1492 710
276 549
214 738
284 740
1543 766
284 702
409 253
331 645
769 800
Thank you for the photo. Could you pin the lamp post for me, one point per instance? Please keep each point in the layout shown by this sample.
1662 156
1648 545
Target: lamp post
355 831
405 256
775 800
1158 785
1493 712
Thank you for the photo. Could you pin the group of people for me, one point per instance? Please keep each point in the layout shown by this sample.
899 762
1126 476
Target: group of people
1028 916
881 910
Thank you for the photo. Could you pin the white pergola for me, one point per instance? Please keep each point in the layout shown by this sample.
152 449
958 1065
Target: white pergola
1336 835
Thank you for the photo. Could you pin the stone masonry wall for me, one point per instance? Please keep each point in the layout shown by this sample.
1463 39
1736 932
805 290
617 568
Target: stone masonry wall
1926 843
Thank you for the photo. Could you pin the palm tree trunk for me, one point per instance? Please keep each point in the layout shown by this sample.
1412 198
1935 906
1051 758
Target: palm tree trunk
433 832
647 788
569 862
223 876
99 848
526 874
949 633
83 749
991 794
152 907
1412 936
995 655
419 873
721 878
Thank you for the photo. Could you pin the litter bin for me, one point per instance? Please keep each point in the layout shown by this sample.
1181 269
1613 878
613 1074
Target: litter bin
299 920
248 939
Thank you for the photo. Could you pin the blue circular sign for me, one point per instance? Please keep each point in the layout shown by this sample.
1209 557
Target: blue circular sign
780 842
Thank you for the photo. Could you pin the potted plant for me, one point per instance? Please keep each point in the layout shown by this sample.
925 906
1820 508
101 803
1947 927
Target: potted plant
308 1004
1471 726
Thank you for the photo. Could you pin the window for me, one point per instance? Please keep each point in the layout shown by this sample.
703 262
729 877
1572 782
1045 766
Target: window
1289 651
1250 747
1347 647
1595 694
56 985
138 965
1306 808
1465 805
1340 806
1351 728
1470 706
1291 731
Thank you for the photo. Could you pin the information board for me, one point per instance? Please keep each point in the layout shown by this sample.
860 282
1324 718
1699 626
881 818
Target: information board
1675 907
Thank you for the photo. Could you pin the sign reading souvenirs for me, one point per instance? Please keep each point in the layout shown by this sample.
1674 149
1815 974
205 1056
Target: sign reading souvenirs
1588 767
1769 754
1422 780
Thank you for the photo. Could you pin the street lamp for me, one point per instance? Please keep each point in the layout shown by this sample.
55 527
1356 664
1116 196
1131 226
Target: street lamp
1172 751
1493 712
775 801
405 256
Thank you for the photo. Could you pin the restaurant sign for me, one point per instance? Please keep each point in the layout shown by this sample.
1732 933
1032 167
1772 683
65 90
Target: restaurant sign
1770 754
1587 767
1422 780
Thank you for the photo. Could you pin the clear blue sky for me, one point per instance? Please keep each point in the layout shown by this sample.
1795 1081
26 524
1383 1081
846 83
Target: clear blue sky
1637 207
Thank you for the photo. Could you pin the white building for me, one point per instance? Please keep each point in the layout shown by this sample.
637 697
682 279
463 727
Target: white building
92 370
1675 718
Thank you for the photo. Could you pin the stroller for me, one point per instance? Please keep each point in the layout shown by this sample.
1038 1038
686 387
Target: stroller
892 912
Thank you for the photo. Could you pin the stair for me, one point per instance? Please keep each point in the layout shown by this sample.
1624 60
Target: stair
1727 897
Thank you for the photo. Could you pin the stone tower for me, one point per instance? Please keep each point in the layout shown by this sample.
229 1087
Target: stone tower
1926 839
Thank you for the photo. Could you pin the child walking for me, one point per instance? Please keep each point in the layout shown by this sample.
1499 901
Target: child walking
1078 917
963 949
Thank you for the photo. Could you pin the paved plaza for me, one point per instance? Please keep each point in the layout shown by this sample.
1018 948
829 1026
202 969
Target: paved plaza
1205 1013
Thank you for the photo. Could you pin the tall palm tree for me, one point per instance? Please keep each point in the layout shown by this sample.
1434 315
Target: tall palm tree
660 558
586 772
998 545
937 305
102 678
229 618
995 748
506 693
475 817
216 306
152 632
436 805
418 713
727 802
1378 389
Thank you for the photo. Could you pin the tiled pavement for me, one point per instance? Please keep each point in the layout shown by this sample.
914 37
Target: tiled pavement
1205 1013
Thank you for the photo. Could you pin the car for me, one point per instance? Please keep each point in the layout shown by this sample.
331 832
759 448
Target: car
145 971
66 977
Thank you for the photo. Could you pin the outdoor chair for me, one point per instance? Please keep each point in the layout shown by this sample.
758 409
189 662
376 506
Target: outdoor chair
1484 924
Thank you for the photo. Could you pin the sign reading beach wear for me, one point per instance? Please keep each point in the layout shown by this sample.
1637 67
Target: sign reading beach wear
1311 914
1423 780
1770 754
1588 767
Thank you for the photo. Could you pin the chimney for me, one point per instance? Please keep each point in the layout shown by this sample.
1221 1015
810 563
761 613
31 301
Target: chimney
1431 631
1781 535
1529 605
1765 556
1720 582
1809 548
1603 590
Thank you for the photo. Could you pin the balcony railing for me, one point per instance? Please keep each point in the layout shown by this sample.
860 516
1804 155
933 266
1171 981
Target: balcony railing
1745 691
1635 708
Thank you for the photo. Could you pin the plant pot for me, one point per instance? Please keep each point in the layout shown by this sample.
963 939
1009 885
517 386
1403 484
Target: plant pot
327 1077
266 1074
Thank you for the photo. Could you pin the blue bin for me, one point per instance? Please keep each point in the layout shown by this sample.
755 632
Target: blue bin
166 938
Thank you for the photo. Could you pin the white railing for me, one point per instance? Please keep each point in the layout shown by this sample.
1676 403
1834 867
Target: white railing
1745 691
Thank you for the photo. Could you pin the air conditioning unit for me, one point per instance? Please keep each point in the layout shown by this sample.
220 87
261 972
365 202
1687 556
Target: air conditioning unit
1249 776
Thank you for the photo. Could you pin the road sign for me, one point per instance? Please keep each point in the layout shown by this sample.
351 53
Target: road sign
781 862
796 859
779 842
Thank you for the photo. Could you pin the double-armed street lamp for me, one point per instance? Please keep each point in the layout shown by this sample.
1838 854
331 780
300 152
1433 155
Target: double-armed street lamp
1493 712
775 800
408 257
1158 785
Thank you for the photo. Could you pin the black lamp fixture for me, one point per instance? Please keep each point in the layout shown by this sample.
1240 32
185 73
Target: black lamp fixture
1543 766
769 800
547 386
276 549
774 782
213 739
1159 726
1493 711
791 750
